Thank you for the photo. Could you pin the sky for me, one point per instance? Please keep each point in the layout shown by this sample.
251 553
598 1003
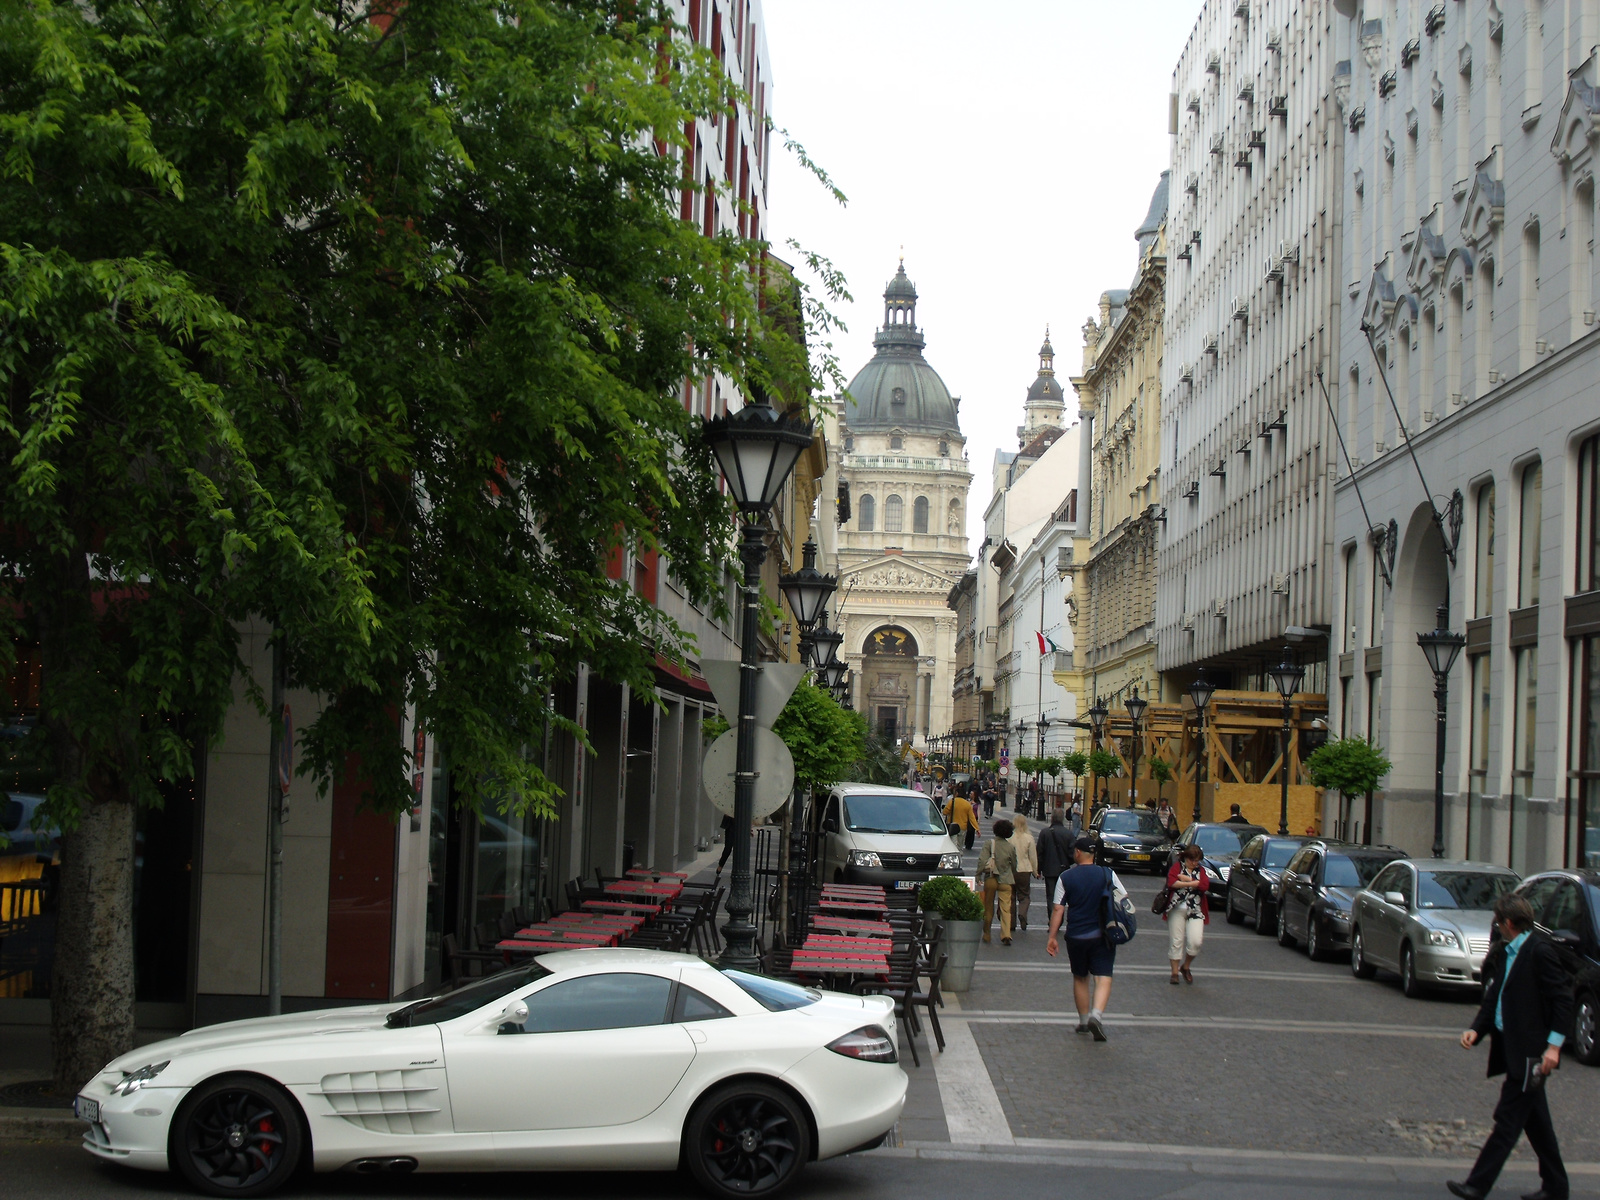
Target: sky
1010 147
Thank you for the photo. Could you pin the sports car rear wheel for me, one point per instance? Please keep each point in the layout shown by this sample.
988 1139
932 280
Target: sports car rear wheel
746 1139
237 1135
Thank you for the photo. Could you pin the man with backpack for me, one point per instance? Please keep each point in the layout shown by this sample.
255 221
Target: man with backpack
1092 903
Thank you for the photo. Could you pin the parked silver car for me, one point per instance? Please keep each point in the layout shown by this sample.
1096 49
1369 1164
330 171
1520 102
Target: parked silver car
1427 919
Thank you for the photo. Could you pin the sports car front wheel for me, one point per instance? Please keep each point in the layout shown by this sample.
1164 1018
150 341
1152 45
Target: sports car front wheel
237 1135
746 1139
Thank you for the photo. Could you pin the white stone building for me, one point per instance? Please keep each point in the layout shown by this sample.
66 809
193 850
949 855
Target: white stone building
1470 261
1251 315
904 461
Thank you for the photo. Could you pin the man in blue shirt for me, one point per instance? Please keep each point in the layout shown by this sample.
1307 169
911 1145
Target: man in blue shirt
1077 902
1527 1006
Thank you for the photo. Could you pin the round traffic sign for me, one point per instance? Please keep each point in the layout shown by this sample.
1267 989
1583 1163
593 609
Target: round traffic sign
1005 770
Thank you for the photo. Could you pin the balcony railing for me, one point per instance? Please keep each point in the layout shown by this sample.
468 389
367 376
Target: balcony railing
906 462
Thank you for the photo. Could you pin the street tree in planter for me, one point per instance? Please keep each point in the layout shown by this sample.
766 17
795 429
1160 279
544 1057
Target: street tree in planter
369 323
1351 766
1161 772
1051 766
1075 764
958 906
1102 765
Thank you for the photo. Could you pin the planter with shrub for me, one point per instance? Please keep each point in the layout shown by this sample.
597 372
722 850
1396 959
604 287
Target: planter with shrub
958 908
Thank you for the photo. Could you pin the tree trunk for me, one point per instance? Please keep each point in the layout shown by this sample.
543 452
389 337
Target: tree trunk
91 982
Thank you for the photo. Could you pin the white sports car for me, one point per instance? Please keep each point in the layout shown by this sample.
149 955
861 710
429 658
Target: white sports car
601 1059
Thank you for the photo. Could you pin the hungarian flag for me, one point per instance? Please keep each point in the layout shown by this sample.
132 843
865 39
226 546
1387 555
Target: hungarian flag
1046 645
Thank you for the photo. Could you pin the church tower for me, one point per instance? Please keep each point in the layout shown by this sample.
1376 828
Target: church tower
905 544
1046 404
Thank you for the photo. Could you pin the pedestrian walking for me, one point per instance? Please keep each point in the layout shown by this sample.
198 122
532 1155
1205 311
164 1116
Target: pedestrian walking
1093 959
1235 817
1055 855
1169 819
1027 848
1033 794
1188 911
938 791
1527 1002
727 845
959 816
997 874
989 798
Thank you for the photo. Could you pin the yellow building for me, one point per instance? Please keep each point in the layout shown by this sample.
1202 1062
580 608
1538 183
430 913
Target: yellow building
1119 397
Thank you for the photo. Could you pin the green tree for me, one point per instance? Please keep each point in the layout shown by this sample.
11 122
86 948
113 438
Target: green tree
1103 765
1160 771
1051 766
825 739
1075 764
1351 766
374 326
880 761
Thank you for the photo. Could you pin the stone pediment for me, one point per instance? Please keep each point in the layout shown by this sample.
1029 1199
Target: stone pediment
1379 306
1428 256
892 573
1486 207
1579 123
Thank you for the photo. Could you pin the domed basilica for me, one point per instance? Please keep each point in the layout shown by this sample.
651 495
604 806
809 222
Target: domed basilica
905 543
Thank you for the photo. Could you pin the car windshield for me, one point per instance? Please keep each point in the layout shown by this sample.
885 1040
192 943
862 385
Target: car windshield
1461 889
1146 824
892 814
1279 853
450 1005
1352 870
1219 840
774 995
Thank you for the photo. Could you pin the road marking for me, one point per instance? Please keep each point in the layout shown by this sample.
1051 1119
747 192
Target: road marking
1194 1021
1205 972
972 1110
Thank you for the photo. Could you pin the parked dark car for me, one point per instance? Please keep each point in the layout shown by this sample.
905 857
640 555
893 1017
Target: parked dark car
1220 845
1256 876
1131 838
1319 885
1566 909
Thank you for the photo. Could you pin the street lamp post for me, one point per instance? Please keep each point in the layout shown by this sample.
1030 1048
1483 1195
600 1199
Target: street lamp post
1441 646
1200 692
756 448
1286 677
1136 706
1097 726
1043 723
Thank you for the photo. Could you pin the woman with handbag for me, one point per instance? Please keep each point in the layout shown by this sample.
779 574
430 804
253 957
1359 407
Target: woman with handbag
1188 911
997 873
1027 849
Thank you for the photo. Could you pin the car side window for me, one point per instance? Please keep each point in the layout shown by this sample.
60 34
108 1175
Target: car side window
833 811
1301 863
1565 909
614 1001
1539 894
696 1006
1253 851
1389 880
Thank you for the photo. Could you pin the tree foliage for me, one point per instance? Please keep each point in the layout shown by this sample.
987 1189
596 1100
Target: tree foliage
879 763
1075 764
825 739
1352 766
1103 764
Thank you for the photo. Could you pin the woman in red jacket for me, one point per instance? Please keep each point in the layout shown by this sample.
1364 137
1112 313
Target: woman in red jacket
1188 913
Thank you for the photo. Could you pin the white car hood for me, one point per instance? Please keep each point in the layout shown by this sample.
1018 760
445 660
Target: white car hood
903 843
259 1031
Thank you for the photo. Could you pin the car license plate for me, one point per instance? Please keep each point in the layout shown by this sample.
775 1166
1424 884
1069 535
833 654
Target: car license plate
904 885
1138 858
87 1109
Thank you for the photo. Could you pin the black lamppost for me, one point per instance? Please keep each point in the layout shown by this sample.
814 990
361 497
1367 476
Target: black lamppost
807 591
1200 692
1136 706
1286 677
756 448
1441 646
825 644
1097 726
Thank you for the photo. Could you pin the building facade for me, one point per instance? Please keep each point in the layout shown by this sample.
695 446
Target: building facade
1470 258
1119 402
903 459
1037 584
1250 325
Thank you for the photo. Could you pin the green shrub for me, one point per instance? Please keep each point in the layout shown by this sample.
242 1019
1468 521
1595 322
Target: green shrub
951 898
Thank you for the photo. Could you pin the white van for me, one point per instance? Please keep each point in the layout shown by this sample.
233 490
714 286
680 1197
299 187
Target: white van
889 836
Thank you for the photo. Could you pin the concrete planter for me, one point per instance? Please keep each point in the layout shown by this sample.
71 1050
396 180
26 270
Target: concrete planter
961 940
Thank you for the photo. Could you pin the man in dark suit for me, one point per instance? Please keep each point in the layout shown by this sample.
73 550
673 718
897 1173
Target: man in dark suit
1527 1007
1235 817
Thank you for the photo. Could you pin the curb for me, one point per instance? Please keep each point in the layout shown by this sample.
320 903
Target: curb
40 1125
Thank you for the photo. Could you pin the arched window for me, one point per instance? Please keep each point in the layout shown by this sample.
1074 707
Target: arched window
919 515
894 514
864 514
896 442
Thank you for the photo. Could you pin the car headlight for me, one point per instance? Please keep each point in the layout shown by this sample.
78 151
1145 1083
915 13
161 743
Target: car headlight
1443 937
865 858
950 862
132 1081
1339 916
1221 872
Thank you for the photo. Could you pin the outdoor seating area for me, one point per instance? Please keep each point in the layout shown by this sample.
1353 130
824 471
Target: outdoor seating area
870 942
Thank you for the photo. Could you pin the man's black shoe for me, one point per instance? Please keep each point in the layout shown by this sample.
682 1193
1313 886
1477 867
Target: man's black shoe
1465 1191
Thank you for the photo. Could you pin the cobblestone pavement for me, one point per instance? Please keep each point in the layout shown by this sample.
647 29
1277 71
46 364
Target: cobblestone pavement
1265 1051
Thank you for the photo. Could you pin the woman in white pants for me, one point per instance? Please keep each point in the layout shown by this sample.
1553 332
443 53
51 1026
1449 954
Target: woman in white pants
1188 913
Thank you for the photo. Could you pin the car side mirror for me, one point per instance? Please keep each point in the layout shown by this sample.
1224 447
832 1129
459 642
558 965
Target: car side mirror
514 1018
1398 899
1566 939
830 825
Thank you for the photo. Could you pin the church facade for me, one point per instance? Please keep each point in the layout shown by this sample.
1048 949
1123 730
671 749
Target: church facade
904 545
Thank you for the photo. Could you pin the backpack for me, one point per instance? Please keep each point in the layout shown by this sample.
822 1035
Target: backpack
1117 921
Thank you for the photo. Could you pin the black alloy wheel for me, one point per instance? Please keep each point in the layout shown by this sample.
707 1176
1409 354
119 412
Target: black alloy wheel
746 1139
1585 1036
1285 938
1359 966
237 1135
1266 916
1235 917
1409 983
1315 950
